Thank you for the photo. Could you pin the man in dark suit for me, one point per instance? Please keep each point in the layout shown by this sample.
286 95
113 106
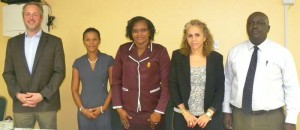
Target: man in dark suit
34 70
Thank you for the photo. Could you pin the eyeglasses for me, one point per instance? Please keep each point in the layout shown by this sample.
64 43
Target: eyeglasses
140 31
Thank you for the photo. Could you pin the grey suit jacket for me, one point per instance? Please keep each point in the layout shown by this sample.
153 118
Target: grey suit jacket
48 72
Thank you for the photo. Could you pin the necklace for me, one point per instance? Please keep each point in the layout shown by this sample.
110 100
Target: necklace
93 62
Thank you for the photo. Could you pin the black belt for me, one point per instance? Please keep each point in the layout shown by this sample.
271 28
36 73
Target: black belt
258 112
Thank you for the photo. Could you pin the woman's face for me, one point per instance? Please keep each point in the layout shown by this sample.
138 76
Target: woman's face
91 41
195 38
140 33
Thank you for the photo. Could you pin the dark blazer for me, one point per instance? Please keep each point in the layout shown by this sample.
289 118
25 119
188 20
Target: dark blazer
180 84
48 72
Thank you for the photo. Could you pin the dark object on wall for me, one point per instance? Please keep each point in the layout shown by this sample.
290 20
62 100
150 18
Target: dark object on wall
50 22
19 1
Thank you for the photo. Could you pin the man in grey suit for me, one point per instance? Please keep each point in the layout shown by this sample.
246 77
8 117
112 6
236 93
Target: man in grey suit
34 70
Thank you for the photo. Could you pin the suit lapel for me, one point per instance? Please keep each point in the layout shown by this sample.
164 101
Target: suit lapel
209 66
209 75
187 68
21 50
40 49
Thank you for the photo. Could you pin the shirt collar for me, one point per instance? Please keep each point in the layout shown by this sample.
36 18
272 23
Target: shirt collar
36 35
264 46
261 46
149 48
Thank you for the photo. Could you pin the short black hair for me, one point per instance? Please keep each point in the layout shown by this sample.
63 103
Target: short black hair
136 19
91 30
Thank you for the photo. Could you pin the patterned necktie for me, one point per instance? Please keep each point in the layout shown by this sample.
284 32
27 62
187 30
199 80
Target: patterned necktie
248 88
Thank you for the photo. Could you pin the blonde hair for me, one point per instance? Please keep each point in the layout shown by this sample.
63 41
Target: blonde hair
39 5
208 45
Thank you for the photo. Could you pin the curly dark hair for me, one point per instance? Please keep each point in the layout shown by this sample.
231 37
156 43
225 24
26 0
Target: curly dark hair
136 19
208 45
90 30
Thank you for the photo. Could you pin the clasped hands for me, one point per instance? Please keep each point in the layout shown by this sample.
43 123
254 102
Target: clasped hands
91 113
29 99
192 121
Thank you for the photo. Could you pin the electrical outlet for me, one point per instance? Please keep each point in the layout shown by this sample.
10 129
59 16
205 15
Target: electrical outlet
217 45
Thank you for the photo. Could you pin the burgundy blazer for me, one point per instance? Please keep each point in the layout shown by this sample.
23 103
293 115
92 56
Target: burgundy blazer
141 83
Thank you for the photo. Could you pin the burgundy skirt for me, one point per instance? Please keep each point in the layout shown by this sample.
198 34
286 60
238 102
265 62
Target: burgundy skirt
140 121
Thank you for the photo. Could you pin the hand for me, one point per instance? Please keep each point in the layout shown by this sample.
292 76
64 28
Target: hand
88 113
96 111
228 121
288 126
154 119
22 97
190 119
33 99
203 120
124 117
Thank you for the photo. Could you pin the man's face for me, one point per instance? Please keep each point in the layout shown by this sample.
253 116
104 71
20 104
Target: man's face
32 18
257 27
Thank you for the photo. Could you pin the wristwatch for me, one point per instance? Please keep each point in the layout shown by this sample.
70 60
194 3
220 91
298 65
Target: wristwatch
209 114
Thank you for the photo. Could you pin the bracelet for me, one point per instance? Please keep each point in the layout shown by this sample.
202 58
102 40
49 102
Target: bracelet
101 109
81 108
209 115
213 109
183 112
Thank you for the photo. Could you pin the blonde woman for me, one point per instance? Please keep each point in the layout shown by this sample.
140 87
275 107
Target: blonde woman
197 81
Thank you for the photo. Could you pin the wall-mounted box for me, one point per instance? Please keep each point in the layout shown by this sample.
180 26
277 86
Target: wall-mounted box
288 2
18 1
13 20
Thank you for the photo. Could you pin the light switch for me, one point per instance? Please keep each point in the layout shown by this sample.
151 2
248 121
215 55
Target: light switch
216 45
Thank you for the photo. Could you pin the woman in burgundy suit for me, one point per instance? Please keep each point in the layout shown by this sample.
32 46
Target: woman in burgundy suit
140 87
